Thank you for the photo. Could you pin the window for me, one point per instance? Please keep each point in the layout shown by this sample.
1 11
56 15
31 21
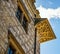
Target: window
25 24
22 19
11 50
19 14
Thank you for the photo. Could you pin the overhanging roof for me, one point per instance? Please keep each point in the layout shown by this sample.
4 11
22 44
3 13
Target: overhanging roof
44 30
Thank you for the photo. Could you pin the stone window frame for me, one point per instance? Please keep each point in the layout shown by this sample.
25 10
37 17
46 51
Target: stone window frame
13 43
22 19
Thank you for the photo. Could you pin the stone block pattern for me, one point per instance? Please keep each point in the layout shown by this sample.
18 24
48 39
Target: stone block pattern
8 21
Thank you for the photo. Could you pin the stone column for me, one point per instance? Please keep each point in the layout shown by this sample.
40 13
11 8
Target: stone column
22 16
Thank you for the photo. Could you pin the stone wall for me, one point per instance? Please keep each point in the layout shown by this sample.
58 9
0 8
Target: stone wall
8 21
7 18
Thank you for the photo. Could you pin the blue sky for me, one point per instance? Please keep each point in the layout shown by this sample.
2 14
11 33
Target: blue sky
50 9
48 3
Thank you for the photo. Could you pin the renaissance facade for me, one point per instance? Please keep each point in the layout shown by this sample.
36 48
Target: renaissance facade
21 27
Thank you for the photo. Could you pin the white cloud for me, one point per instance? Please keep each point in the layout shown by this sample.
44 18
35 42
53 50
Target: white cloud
49 13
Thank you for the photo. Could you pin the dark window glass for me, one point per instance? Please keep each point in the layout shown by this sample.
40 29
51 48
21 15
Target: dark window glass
11 50
18 14
25 24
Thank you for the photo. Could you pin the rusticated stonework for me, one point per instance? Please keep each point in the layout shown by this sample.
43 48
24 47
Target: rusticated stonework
9 21
7 13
